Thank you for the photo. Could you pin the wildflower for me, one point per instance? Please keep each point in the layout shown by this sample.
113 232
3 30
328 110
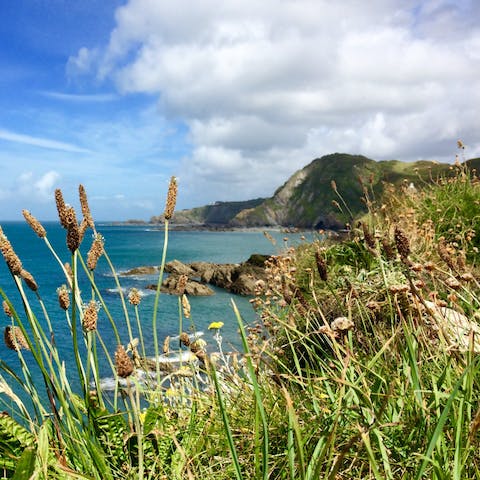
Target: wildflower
63 297
134 297
123 362
37 227
14 338
171 199
215 325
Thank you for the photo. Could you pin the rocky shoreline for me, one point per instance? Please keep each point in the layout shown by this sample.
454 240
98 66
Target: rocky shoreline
238 278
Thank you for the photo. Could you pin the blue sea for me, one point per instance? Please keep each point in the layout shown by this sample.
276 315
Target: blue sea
128 247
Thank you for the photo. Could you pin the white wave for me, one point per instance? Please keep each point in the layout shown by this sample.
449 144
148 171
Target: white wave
124 290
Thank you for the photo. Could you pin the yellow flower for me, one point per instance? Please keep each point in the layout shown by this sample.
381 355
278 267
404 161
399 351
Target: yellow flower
215 325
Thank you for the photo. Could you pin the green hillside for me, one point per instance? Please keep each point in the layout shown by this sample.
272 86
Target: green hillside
326 193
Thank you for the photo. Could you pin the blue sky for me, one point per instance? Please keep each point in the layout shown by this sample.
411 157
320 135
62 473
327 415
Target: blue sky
232 97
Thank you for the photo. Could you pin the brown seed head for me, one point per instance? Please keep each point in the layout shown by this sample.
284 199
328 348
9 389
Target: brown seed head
333 184
123 362
368 237
61 208
134 297
73 238
36 226
171 199
185 339
90 316
166 344
388 249
11 258
6 309
402 243
63 297
85 208
185 306
29 280
95 252
14 338
321 266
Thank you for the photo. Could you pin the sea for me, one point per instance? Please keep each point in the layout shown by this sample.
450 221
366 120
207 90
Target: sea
130 246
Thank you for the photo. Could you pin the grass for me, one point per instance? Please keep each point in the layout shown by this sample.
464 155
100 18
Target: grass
364 363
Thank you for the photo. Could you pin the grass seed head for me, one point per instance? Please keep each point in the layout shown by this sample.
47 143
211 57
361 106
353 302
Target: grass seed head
85 208
63 297
11 259
134 297
14 338
95 252
29 280
90 316
36 226
123 363
171 199
6 309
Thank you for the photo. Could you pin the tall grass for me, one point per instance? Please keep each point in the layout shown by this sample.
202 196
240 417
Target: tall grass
363 364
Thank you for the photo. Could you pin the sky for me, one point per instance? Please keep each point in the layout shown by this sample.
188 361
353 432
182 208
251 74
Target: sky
230 96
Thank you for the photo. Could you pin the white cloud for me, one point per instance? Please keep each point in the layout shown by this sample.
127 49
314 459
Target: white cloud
264 87
40 142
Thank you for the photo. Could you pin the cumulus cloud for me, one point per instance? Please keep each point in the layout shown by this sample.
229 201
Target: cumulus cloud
264 87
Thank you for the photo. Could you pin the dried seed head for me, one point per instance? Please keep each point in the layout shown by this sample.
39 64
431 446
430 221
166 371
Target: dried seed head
29 280
90 316
61 208
63 297
402 243
198 345
453 283
181 284
368 237
333 184
6 309
14 338
185 306
185 339
467 277
11 259
73 238
134 297
85 208
36 226
123 363
70 216
171 199
321 266
95 252
166 344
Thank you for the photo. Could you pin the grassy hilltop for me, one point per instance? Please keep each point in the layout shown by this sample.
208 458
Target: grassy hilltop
307 200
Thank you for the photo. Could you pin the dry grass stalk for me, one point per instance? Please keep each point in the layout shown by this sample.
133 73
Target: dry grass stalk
36 226
123 362
14 339
171 199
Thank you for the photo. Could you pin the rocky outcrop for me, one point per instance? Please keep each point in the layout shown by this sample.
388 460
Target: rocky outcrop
239 278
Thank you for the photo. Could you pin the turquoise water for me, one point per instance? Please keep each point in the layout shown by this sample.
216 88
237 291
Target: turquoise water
129 247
